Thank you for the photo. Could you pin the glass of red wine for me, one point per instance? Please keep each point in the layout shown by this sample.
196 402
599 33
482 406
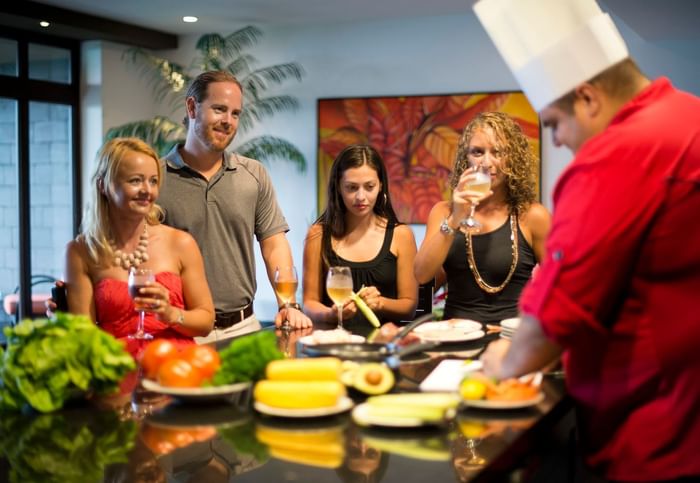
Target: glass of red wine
138 279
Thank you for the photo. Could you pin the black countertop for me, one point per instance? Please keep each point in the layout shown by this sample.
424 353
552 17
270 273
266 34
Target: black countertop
141 436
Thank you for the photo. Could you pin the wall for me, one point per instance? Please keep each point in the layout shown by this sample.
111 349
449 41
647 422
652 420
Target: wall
410 56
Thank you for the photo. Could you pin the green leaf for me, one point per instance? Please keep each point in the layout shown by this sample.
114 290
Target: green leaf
268 148
160 133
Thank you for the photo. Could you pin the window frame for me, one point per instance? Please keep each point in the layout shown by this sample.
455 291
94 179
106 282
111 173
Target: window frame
24 90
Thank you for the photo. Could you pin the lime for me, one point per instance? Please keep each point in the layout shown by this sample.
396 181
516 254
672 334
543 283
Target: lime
471 389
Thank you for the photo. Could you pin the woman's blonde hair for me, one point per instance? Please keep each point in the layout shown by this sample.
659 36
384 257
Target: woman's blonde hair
96 228
518 161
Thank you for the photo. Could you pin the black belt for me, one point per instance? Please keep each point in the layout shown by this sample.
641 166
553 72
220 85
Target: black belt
224 320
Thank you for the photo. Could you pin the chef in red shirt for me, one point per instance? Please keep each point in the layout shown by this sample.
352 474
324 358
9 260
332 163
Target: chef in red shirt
618 292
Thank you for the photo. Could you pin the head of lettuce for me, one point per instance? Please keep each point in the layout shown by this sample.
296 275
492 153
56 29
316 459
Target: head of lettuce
48 362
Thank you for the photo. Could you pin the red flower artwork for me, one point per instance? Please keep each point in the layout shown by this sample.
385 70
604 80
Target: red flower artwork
417 137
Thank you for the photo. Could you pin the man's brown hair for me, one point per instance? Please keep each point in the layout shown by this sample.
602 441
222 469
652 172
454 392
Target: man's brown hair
618 82
198 88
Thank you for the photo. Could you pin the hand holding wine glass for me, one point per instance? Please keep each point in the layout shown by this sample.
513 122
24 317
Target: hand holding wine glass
477 180
286 283
138 279
339 288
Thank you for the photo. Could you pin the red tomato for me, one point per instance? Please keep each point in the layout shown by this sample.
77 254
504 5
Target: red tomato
157 352
204 358
179 373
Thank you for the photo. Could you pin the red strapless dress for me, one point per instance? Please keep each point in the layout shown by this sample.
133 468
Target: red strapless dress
117 314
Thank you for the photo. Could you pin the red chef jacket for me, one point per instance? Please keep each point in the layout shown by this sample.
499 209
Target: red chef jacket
620 288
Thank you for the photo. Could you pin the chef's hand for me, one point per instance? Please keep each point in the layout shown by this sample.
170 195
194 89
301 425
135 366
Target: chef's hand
297 319
493 356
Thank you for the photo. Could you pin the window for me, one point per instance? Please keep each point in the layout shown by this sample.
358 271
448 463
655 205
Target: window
39 161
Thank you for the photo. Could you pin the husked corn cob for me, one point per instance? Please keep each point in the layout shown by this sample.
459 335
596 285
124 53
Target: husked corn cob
298 394
312 369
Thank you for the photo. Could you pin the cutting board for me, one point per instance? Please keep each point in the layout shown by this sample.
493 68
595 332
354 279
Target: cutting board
448 374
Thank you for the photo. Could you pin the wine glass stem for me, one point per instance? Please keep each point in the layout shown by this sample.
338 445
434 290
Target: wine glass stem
471 212
139 328
340 316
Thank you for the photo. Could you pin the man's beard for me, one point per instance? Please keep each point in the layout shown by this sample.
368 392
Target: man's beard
206 134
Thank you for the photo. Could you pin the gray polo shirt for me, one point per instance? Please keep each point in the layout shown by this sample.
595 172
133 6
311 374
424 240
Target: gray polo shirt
222 215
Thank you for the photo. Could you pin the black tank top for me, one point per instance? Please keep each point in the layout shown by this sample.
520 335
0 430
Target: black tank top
493 256
379 272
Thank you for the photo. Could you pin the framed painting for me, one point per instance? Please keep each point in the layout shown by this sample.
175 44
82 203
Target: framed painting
417 137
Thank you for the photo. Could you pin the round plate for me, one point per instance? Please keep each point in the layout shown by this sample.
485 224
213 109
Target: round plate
344 404
487 404
463 325
309 340
362 417
197 394
450 335
511 324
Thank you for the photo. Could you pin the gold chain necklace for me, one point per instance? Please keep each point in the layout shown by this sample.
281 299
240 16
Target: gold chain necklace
472 263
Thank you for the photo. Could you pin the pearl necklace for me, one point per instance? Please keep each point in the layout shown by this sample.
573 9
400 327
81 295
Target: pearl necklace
135 258
514 250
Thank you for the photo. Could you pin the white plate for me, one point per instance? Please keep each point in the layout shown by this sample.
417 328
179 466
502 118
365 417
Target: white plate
211 393
456 335
309 340
511 324
462 325
344 404
487 404
362 417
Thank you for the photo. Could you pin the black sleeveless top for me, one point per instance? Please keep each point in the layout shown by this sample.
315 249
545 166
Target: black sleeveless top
493 257
379 272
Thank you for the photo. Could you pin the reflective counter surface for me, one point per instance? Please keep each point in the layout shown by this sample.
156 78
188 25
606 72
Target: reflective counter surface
139 436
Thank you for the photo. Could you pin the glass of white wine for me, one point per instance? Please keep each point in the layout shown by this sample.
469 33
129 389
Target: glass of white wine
339 288
481 182
286 283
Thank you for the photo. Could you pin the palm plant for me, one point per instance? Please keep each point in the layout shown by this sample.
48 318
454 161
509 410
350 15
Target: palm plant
168 81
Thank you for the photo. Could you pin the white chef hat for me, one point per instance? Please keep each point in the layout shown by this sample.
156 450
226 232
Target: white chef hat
552 45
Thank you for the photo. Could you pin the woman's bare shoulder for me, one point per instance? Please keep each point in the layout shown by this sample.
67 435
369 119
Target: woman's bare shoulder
536 215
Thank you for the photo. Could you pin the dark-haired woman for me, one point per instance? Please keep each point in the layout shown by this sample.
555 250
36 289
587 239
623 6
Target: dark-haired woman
359 229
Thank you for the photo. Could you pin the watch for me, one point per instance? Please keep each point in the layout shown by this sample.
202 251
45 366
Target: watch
446 228
292 305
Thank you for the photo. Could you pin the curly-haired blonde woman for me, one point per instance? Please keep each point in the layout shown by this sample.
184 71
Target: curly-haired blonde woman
486 271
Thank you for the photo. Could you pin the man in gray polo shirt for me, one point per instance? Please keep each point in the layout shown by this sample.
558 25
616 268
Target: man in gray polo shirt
223 200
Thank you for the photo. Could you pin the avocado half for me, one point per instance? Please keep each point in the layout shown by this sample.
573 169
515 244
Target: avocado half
373 379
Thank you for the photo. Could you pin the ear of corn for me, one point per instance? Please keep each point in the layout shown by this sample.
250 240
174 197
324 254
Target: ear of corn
299 394
310 369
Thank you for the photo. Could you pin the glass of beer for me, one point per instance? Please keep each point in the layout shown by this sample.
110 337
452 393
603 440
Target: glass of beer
138 279
286 282
481 182
339 288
